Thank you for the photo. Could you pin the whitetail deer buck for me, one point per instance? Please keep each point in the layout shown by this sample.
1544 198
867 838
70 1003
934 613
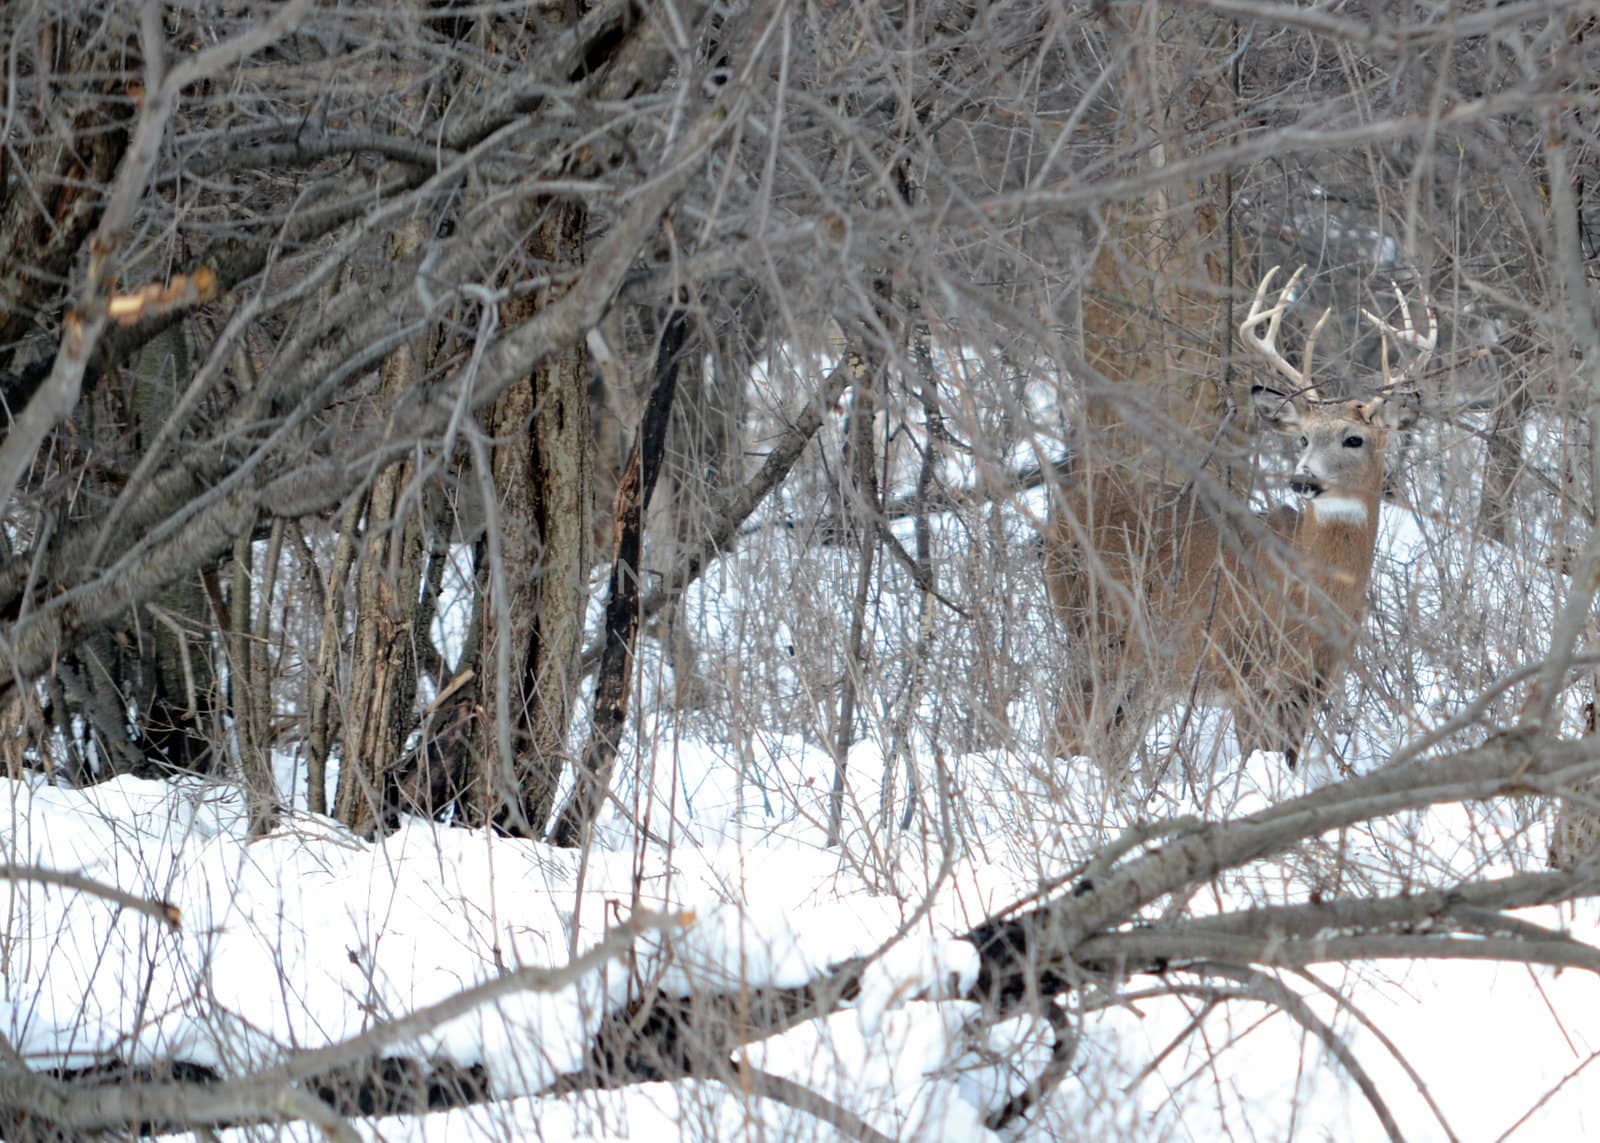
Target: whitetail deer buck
1171 592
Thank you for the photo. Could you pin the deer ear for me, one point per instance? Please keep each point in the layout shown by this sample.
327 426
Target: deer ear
1395 411
1278 411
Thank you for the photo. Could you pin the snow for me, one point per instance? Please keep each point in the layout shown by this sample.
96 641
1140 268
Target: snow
305 938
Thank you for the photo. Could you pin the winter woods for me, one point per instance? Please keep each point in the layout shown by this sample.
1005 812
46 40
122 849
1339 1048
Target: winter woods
598 450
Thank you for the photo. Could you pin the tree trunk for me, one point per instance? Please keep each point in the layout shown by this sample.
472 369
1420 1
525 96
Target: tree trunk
173 684
532 637
622 603
1503 460
383 672
859 506
50 201
382 688
1155 312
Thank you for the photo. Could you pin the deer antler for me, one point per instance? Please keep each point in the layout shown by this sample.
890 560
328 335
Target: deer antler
1267 344
1407 335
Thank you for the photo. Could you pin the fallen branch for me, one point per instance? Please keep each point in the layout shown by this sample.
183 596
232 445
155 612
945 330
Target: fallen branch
278 1094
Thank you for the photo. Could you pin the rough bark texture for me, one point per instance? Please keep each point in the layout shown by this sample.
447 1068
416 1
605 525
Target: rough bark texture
252 672
50 206
324 682
382 684
179 704
1503 461
859 503
542 471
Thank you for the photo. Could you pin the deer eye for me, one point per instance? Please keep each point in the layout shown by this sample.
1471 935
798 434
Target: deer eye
1304 442
1354 442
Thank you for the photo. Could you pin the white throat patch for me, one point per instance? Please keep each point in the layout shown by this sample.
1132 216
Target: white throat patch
1339 510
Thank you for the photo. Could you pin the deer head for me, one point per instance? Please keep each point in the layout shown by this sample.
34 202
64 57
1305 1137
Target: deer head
1342 443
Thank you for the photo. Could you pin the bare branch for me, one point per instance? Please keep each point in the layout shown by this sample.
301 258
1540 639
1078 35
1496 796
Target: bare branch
163 911
84 324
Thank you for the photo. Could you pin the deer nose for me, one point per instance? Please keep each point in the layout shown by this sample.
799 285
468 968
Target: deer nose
1306 484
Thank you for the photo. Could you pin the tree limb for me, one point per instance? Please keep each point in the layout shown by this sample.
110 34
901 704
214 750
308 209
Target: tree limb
163 911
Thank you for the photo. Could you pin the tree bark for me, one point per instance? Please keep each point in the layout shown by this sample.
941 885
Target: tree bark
1162 260
542 478
382 686
180 704
1503 459
50 204
859 503
383 671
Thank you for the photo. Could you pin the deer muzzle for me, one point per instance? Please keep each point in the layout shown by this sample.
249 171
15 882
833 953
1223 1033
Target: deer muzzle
1307 485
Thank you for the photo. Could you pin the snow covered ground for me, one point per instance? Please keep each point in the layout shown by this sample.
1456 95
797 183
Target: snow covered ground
309 937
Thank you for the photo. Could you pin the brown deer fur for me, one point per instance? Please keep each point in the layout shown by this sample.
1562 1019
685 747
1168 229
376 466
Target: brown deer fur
1175 591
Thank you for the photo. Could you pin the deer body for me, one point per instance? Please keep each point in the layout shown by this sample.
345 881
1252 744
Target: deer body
1179 591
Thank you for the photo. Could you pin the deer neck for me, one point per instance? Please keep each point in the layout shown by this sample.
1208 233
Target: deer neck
1337 534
